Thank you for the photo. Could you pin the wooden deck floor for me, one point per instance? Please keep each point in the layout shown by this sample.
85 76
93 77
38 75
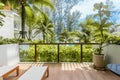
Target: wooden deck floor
68 71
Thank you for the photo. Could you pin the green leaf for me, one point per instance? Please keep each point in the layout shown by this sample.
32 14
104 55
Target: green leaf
97 6
105 6
108 24
104 20
1 5
107 13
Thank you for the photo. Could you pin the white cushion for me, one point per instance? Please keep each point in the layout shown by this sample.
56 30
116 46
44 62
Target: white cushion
5 69
34 73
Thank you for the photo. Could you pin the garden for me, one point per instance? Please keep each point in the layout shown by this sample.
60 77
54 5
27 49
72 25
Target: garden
48 53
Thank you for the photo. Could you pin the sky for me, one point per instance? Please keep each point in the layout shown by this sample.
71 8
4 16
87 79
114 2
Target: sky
86 6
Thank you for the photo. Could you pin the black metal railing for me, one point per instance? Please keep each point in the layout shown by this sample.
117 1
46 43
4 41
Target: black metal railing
58 48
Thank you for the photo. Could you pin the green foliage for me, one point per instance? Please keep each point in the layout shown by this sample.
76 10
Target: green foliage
48 53
101 24
45 26
25 8
27 53
1 19
85 34
66 36
69 53
7 40
62 17
87 53
1 5
113 39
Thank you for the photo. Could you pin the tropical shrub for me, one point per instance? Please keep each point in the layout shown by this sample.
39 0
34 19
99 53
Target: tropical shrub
87 53
26 53
8 40
114 39
69 53
48 53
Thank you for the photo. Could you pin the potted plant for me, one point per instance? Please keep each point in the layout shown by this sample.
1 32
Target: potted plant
101 25
98 59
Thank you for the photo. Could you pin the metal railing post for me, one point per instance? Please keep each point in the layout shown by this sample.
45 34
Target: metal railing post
58 49
35 56
81 53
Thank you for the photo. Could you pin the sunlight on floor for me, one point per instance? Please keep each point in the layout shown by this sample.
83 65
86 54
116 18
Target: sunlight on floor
74 66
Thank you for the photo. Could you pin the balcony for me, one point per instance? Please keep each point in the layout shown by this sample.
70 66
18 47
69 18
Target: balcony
64 69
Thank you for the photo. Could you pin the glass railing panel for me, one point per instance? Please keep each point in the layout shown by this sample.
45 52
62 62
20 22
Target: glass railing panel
26 53
70 53
47 53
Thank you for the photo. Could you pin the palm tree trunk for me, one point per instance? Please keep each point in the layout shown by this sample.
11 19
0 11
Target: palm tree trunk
43 37
30 34
23 19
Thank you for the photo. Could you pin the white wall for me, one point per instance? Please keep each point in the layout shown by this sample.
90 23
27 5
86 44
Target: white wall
7 30
112 54
9 54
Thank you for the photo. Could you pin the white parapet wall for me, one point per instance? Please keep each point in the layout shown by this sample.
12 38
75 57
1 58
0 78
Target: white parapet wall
9 54
112 54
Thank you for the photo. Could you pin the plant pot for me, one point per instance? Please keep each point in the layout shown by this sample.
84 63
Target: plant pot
99 61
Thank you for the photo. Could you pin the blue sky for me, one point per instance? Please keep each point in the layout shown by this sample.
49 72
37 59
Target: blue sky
86 6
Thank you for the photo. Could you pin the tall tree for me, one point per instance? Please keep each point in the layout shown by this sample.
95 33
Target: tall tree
66 36
31 22
72 21
63 17
22 5
45 27
86 30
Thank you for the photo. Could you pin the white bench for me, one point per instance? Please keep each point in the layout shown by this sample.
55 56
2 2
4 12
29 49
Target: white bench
35 73
6 70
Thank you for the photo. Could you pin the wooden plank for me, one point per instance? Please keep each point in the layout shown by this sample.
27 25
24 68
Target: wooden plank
69 71
16 68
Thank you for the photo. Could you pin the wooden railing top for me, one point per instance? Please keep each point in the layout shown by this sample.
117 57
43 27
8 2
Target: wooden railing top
55 43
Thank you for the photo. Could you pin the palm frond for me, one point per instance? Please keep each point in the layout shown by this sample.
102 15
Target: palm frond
44 2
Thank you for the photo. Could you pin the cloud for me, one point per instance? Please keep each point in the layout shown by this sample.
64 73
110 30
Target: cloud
116 4
86 6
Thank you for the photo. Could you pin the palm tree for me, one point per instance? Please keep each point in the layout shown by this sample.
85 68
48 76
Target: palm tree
37 5
31 22
86 31
66 36
45 26
22 5
80 36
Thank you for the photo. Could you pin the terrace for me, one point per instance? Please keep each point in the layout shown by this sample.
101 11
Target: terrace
68 71
63 40
64 70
